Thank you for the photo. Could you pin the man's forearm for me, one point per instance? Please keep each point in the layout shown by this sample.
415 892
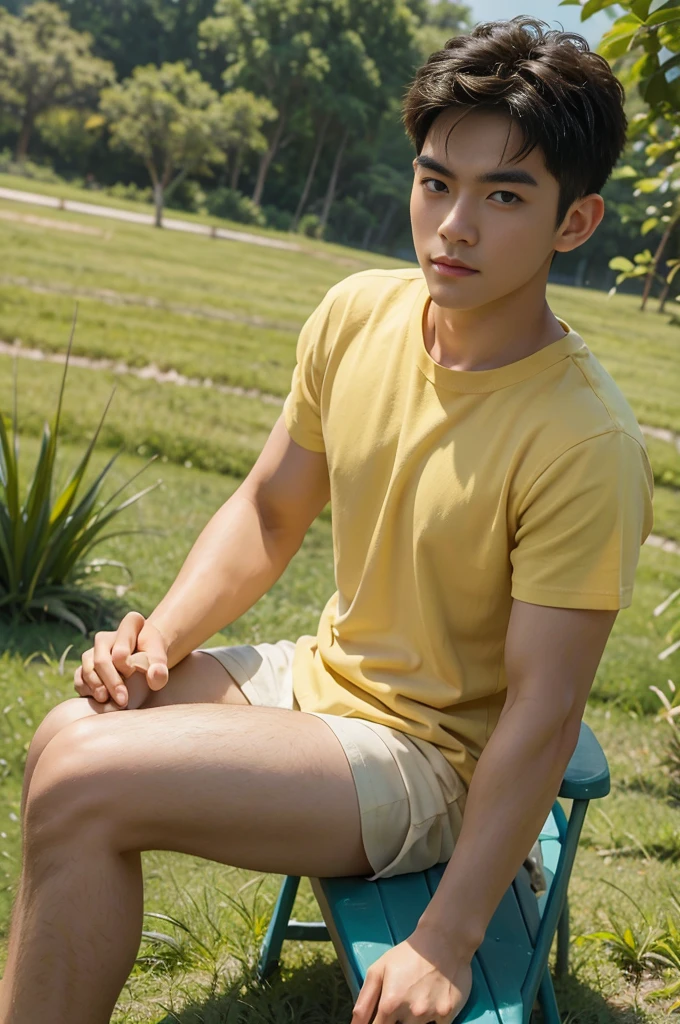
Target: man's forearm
234 561
513 788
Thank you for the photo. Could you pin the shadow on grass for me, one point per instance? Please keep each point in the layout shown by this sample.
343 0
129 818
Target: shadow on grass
53 637
317 992
581 1004
313 993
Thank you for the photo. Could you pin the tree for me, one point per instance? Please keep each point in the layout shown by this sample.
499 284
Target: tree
243 115
45 63
391 49
134 32
653 38
170 118
272 48
442 19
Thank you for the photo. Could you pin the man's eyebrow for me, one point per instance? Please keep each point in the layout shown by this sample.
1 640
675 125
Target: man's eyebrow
514 176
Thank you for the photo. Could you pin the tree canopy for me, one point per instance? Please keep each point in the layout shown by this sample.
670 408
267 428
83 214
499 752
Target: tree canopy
45 63
170 118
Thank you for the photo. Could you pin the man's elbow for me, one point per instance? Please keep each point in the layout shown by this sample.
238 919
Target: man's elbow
555 720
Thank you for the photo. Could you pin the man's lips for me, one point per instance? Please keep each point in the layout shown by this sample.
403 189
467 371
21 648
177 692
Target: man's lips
452 271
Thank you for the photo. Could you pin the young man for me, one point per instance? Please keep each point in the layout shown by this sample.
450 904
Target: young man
490 492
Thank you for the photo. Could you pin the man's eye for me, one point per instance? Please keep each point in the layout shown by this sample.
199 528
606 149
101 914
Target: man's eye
502 192
435 180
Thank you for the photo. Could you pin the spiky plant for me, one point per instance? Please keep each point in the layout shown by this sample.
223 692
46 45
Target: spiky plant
45 539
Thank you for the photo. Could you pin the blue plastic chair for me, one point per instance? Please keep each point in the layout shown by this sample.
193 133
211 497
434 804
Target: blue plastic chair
510 969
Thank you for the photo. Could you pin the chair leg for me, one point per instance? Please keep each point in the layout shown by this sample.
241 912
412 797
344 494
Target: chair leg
562 961
271 946
548 1003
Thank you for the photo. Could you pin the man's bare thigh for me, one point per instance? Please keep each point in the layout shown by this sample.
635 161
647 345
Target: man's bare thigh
198 679
261 788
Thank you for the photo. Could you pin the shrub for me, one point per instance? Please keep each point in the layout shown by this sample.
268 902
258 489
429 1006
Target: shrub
131 191
27 169
233 205
280 220
187 195
44 542
310 225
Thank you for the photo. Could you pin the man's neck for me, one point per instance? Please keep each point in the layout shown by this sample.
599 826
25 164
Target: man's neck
486 338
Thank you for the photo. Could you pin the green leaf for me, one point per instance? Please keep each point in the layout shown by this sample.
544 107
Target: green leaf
672 273
620 263
640 8
83 542
593 6
649 184
626 171
613 46
56 607
65 499
644 257
669 12
648 225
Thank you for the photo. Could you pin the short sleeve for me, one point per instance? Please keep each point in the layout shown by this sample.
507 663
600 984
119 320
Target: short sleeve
302 408
582 523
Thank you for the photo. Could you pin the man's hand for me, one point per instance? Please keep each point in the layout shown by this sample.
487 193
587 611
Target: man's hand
419 981
137 649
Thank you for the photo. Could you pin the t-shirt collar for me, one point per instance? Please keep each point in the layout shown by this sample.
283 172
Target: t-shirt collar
477 381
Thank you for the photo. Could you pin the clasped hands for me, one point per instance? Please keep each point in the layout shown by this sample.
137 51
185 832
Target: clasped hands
418 981
124 665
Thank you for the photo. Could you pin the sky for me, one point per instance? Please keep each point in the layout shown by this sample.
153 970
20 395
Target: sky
568 18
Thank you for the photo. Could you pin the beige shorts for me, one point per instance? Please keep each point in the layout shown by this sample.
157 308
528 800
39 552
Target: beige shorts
411 799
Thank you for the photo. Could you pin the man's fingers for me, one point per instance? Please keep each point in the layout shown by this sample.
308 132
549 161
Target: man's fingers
156 670
367 1003
90 678
157 676
106 670
126 642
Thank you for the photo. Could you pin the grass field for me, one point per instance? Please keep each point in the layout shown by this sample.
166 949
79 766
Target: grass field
231 312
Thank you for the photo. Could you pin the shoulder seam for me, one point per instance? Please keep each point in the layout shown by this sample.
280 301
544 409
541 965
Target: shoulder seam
622 430
596 393
614 429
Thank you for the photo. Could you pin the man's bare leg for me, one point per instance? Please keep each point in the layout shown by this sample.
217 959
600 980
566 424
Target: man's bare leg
197 679
260 788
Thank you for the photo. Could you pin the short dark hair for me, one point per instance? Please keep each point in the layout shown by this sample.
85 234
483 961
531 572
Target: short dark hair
564 97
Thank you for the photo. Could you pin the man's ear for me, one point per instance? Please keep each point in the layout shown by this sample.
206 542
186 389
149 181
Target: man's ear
580 222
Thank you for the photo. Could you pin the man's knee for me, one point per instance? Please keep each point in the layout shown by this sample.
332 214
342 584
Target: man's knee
61 715
60 796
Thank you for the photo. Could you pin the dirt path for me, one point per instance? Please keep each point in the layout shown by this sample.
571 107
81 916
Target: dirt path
176 224
148 372
169 223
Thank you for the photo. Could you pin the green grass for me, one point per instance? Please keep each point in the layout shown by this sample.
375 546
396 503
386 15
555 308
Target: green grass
209 429
160 297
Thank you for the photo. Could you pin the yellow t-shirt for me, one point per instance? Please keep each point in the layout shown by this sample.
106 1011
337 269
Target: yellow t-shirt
453 492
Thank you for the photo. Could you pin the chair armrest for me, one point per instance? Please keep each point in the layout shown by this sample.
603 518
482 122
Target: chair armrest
587 774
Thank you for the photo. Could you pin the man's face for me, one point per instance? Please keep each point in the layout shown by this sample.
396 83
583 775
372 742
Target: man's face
504 230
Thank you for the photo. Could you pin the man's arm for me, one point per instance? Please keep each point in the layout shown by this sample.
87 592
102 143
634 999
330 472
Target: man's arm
246 545
237 558
551 656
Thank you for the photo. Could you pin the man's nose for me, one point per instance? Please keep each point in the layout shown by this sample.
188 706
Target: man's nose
459 223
